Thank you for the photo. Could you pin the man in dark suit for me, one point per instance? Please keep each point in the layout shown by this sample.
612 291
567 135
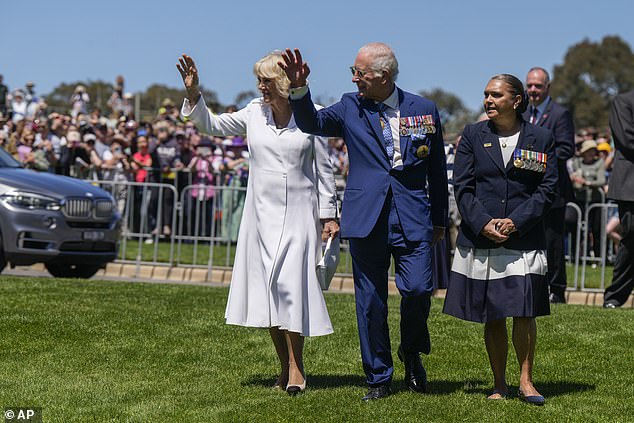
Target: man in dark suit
621 189
544 112
395 202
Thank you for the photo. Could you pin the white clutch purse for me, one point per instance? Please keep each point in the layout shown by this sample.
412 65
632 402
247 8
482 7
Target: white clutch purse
327 266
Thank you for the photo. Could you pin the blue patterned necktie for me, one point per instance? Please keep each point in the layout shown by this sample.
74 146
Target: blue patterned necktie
387 131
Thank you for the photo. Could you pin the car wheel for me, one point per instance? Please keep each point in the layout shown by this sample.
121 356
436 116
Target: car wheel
84 271
3 261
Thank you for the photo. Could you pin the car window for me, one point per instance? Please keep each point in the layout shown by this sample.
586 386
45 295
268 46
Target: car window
7 160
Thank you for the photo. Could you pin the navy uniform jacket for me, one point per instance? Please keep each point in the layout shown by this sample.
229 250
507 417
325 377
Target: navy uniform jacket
559 120
486 188
419 187
621 186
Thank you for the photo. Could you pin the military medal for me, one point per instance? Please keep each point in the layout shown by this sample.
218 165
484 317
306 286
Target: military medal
404 127
422 151
518 163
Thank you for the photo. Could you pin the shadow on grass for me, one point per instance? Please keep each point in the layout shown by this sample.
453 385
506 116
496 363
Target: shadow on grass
547 389
316 381
436 387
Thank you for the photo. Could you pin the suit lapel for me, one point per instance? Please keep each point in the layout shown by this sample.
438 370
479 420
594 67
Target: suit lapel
405 109
545 115
491 145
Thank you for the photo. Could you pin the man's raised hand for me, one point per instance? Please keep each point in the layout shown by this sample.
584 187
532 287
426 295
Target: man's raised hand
296 69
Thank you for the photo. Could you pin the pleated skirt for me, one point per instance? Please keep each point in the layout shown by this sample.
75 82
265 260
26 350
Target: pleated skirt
486 285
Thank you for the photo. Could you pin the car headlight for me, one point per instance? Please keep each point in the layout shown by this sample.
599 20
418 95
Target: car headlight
31 201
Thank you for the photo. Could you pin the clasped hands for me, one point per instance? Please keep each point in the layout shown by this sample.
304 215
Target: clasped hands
498 230
330 229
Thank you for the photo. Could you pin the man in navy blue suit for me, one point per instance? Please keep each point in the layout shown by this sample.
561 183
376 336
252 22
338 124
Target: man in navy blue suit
394 206
544 112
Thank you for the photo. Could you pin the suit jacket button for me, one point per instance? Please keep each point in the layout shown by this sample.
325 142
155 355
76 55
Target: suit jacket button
503 201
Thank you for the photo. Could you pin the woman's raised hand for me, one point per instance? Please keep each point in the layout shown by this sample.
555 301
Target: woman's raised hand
296 69
189 73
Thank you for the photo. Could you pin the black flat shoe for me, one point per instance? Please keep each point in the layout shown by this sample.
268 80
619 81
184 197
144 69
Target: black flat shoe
532 399
376 393
415 374
556 298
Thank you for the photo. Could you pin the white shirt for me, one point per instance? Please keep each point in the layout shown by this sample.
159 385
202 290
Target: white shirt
507 145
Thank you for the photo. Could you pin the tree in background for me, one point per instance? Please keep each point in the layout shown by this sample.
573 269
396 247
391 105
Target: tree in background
591 75
454 115
243 98
152 98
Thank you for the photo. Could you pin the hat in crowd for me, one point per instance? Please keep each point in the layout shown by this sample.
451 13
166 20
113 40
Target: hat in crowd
90 138
73 136
18 93
218 151
227 141
80 89
245 154
141 132
167 102
179 133
588 145
230 154
30 84
604 146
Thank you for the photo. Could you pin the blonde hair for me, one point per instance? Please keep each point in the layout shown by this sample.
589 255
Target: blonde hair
267 67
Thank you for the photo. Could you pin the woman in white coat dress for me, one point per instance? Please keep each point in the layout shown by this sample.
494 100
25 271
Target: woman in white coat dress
290 190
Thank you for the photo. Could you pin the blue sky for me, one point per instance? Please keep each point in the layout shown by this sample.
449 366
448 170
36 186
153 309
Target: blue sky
454 45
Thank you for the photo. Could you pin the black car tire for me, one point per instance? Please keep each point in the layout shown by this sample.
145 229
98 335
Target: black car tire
3 261
83 271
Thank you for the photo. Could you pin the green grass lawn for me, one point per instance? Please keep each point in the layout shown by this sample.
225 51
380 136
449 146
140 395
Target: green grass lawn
97 351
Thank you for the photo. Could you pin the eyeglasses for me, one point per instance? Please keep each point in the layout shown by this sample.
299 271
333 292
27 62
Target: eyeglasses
358 72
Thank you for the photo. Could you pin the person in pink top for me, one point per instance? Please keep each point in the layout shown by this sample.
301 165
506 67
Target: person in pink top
141 161
202 193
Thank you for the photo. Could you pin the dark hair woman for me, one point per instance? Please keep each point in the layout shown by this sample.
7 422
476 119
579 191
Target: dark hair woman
505 176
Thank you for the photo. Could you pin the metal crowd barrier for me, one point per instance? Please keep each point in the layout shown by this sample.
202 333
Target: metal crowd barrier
604 242
207 229
579 224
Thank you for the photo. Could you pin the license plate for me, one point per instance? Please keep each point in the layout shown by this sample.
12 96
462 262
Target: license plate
93 235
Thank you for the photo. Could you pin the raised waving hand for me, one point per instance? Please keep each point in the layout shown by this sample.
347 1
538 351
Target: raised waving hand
296 69
189 73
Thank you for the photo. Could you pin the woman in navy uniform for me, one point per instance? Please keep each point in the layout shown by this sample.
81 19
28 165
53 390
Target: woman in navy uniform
505 177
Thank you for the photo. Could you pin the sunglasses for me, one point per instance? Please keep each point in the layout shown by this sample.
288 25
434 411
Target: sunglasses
360 73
